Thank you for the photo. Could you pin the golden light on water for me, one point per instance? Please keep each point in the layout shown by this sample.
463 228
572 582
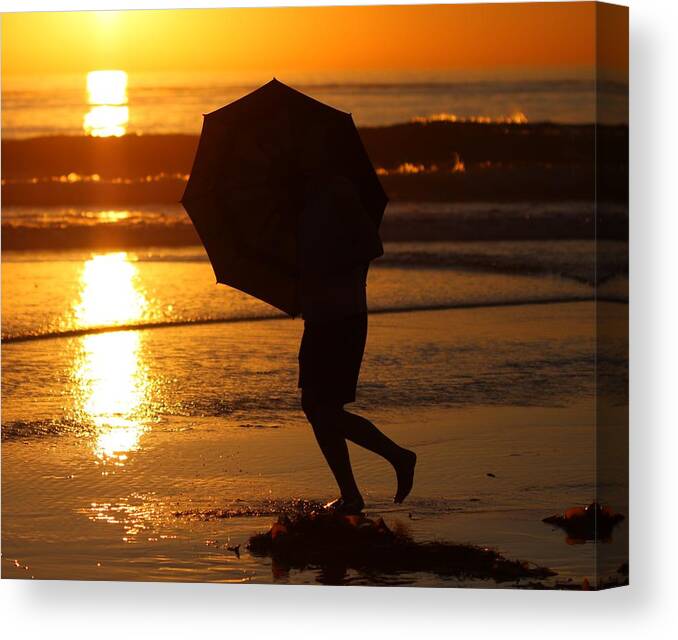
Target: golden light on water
111 215
107 87
109 291
104 121
111 379
107 96
113 387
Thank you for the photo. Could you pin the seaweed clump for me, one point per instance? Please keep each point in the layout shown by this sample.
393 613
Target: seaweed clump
316 539
581 524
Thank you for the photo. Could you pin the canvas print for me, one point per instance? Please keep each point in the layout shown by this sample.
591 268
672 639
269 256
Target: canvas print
317 295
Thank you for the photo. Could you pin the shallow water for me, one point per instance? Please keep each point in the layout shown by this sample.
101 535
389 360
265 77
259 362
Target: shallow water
49 293
134 388
107 436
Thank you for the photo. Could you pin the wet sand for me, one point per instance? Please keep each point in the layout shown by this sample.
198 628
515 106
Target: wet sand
100 502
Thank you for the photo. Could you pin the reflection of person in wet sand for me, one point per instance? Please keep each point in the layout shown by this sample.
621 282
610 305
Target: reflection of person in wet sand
334 308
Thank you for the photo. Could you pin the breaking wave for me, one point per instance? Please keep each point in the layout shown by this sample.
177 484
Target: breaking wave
137 326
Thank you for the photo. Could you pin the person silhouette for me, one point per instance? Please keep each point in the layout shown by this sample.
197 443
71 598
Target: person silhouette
334 238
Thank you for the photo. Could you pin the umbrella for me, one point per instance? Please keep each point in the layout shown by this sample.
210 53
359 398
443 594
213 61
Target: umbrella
255 160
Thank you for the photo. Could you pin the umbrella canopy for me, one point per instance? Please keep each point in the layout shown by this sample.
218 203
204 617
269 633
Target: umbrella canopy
257 160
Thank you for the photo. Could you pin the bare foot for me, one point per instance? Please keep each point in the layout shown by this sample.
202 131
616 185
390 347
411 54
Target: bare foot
341 506
405 474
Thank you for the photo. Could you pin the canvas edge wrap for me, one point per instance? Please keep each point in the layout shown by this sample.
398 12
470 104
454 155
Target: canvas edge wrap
611 319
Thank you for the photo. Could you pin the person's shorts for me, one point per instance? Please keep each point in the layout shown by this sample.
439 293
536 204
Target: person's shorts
330 356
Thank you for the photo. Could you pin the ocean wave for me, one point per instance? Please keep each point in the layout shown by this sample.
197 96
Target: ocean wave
584 261
164 225
164 324
514 160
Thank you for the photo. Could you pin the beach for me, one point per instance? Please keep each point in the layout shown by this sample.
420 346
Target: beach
155 481
151 421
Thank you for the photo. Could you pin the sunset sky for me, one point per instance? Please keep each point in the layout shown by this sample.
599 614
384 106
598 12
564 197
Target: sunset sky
463 37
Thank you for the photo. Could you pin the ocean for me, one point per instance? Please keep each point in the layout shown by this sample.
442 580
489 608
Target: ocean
150 417
155 103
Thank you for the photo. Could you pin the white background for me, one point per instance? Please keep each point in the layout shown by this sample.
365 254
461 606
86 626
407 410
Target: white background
646 609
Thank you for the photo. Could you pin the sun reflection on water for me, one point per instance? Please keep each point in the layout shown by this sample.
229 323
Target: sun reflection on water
110 293
112 384
107 96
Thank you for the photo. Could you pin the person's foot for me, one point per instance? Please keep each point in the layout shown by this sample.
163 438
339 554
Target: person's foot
404 469
343 507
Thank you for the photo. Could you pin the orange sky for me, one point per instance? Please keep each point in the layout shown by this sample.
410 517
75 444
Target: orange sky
463 37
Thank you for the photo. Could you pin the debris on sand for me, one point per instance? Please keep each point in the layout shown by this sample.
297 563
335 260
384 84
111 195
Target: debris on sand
594 522
314 539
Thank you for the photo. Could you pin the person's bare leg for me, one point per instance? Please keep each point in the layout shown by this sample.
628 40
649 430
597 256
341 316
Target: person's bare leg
362 432
326 422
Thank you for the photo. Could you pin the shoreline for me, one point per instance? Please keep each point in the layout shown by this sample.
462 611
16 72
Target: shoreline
492 464
147 326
